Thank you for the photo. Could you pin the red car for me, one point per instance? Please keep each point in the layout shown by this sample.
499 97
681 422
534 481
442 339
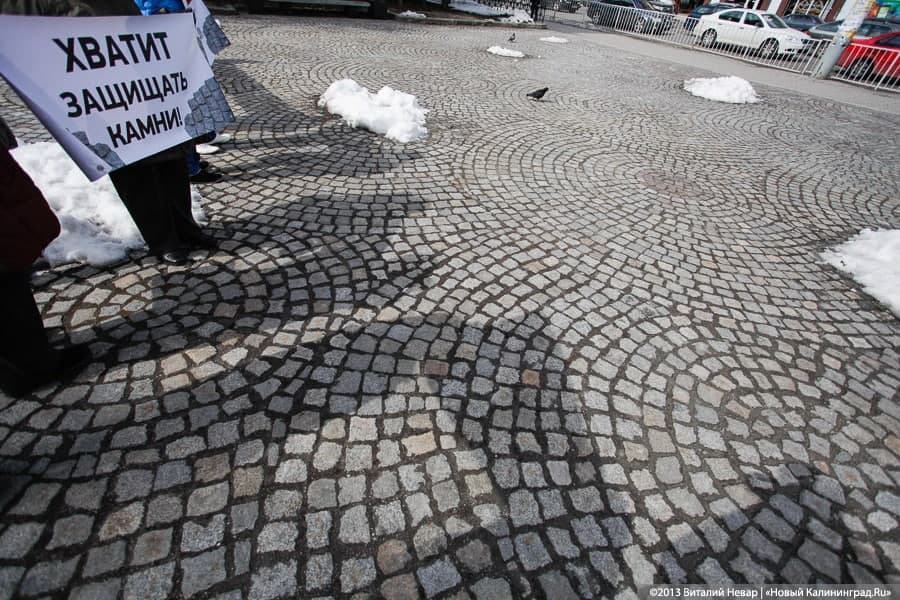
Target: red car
874 56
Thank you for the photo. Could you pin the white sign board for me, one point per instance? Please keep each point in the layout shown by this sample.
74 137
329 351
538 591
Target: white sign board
113 90
210 36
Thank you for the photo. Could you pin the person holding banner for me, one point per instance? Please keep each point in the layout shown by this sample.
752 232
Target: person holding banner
156 189
157 193
155 7
27 225
172 232
196 171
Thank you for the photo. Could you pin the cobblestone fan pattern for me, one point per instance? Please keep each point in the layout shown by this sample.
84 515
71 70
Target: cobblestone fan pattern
558 349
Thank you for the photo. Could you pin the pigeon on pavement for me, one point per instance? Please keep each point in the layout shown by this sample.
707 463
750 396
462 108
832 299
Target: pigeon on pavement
537 94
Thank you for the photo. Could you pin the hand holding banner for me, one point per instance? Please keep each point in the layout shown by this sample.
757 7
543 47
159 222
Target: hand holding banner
113 90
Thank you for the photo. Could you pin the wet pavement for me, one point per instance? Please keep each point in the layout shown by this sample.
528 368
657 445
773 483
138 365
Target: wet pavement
558 349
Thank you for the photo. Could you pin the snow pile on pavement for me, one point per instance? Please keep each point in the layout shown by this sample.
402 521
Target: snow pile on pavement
96 226
518 16
408 14
555 40
872 258
733 90
476 9
500 51
391 113
473 7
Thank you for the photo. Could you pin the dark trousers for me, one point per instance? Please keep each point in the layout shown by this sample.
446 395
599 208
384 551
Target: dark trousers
157 194
24 349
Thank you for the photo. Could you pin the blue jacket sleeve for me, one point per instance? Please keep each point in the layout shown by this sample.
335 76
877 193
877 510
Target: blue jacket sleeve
152 7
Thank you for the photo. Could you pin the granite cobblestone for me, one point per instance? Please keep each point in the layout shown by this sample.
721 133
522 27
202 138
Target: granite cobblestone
555 349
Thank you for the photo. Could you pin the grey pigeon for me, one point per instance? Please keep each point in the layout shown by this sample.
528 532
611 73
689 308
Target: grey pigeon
512 38
537 94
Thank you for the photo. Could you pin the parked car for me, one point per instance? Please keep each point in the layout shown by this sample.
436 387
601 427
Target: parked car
665 6
705 9
877 56
801 21
636 15
760 31
868 28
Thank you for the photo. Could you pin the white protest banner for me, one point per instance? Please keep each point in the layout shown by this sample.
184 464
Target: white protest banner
113 90
211 37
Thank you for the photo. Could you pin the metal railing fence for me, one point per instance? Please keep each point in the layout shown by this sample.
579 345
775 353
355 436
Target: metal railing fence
869 65
648 22
789 50
756 45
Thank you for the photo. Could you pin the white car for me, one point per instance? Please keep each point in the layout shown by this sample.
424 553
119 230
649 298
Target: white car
754 29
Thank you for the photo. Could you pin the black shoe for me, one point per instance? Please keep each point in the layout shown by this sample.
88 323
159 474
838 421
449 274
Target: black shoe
204 165
71 360
206 177
40 264
203 240
14 381
174 257
68 362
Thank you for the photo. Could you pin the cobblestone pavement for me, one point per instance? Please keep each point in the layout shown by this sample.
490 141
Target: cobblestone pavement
558 349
